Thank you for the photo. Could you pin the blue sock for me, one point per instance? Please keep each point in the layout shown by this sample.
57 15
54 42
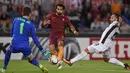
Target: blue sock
34 62
7 58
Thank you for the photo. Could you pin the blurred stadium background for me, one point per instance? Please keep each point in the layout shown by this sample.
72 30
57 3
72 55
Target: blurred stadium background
86 15
89 17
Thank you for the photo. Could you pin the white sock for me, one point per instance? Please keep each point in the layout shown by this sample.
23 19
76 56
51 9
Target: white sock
79 57
116 62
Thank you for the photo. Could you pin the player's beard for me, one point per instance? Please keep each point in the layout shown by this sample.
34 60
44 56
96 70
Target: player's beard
59 14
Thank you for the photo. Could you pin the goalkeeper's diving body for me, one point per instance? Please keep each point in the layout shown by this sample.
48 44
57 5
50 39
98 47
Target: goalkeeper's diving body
22 28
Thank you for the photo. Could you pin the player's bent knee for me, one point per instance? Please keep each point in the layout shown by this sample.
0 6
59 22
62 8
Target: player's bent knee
30 57
9 51
106 59
52 47
60 43
87 51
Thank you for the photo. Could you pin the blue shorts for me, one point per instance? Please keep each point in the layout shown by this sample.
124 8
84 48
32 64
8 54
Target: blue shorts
26 51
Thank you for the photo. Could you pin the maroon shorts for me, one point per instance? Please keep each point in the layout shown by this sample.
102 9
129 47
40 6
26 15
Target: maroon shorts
55 39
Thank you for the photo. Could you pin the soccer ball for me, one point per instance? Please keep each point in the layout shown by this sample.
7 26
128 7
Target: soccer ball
53 59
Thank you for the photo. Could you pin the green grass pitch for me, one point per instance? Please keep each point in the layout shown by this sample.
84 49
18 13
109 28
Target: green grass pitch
85 66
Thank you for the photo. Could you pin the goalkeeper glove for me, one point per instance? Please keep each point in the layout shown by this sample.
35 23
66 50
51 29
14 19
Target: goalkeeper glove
42 50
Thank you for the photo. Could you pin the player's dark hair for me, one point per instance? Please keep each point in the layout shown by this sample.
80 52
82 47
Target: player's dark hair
117 15
60 5
26 11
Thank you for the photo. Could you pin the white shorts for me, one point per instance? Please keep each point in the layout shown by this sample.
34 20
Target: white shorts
99 47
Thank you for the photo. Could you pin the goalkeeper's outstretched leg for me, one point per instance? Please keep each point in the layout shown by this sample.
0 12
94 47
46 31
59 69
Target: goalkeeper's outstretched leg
36 63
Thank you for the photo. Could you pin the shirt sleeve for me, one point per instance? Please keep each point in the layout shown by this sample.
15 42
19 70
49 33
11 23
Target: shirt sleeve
11 32
34 36
68 22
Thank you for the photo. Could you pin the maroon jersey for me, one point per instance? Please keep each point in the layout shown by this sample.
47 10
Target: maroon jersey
58 24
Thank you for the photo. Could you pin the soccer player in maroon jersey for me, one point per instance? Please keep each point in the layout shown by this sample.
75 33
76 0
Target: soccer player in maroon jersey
58 21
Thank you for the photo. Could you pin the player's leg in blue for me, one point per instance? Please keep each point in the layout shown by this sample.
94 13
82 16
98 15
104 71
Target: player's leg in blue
6 61
36 63
33 61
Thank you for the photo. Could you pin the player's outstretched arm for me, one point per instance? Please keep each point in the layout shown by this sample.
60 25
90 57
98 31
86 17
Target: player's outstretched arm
74 30
35 39
48 20
45 22
71 26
